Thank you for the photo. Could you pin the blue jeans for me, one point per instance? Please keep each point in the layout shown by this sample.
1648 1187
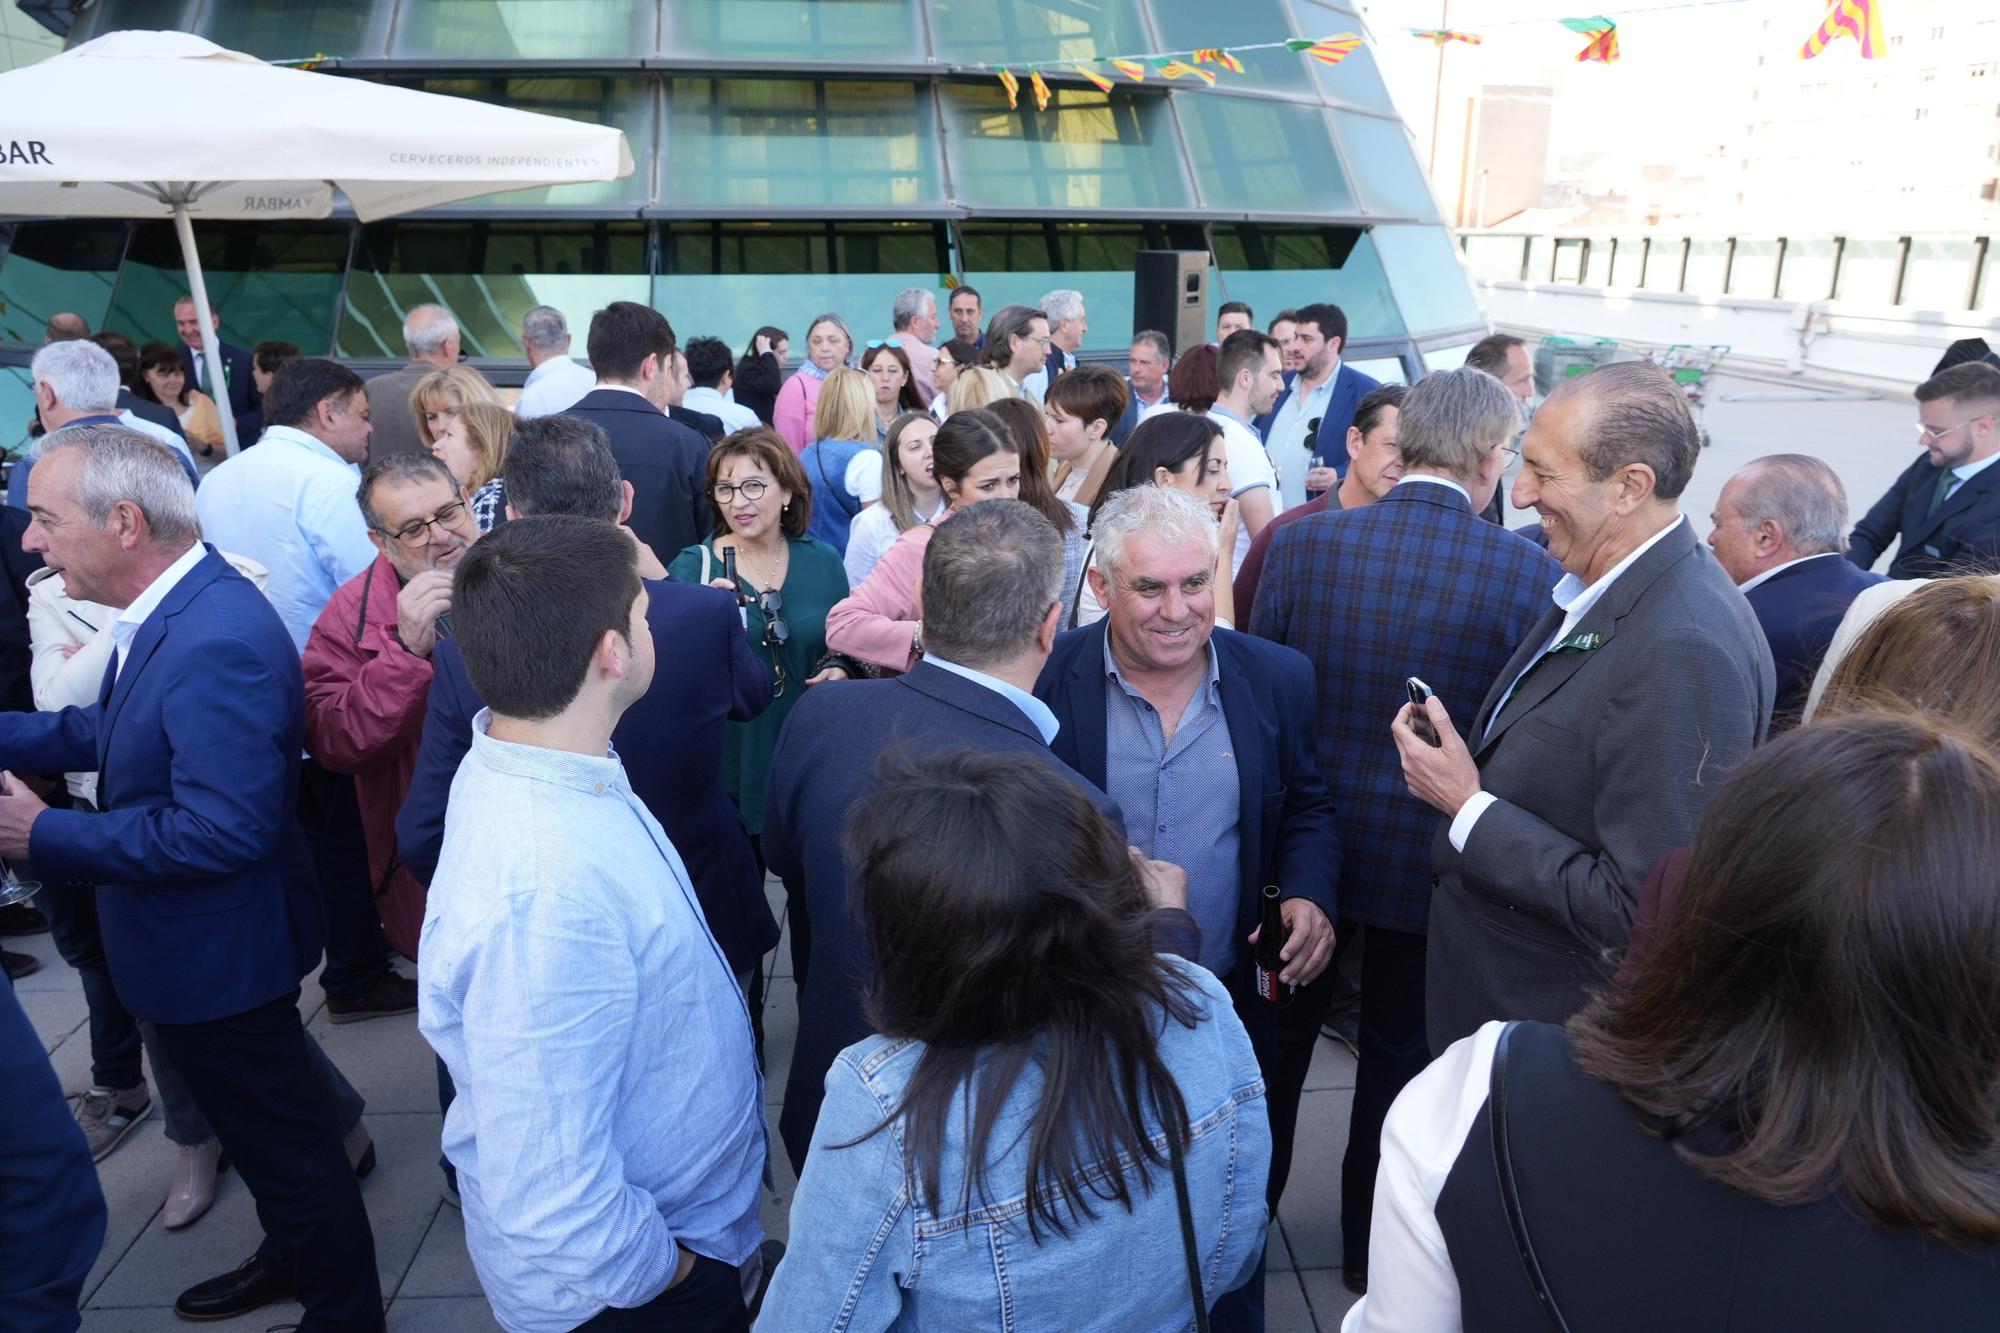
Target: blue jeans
71 906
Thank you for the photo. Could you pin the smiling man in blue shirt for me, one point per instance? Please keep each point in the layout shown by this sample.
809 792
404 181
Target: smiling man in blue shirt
608 1131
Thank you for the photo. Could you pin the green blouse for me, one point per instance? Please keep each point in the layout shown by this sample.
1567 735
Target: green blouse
814 580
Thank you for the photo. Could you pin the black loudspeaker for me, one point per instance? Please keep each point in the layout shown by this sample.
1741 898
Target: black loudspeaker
1170 294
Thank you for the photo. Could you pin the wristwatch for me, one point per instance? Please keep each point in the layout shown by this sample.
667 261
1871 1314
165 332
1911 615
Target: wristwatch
917 643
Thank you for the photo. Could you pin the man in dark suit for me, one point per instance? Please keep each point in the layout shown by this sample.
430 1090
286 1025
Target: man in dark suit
265 358
1416 584
632 350
1146 380
705 424
671 740
430 335
992 602
1602 738
204 889
242 387
1311 417
1946 505
1777 534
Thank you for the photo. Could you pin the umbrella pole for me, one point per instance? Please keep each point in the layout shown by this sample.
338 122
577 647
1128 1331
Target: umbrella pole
211 338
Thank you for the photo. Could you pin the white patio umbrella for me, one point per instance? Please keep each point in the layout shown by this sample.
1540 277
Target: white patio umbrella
248 140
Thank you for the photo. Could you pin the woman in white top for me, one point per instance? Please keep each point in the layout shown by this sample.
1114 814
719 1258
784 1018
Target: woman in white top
908 490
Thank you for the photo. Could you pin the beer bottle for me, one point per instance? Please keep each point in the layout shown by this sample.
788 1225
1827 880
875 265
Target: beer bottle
1270 945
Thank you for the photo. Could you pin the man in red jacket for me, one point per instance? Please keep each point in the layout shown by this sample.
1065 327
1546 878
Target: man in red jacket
368 661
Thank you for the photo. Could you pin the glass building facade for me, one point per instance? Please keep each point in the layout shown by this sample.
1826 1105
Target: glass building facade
804 155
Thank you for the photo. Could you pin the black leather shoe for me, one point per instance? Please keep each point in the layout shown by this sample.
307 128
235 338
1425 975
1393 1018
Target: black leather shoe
1355 1280
236 1292
389 994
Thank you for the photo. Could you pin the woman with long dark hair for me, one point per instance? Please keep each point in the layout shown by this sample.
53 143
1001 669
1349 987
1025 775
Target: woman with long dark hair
1184 450
1014 1149
1786 1118
760 373
1030 428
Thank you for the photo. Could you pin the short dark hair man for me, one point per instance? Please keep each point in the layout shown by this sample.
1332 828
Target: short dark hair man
1326 391
711 370
967 315
1233 317
241 388
1146 377
1946 505
632 351
1600 742
265 358
1505 358
1251 374
568 975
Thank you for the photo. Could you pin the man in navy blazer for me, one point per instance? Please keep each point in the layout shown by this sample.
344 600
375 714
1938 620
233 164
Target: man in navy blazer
1777 533
204 889
1415 584
1326 390
1946 505
236 366
671 740
1230 790
632 351
992 596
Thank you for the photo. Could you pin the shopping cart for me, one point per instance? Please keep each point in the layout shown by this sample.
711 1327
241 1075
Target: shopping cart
1560 358
1692 365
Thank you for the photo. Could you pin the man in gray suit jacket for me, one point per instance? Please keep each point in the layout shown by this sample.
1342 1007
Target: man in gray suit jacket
1597 747
430 335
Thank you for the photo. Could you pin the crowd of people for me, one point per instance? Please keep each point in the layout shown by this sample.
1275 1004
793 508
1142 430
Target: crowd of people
1109 735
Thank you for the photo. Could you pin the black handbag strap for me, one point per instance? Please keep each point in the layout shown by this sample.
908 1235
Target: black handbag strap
1510 1198
1187 1235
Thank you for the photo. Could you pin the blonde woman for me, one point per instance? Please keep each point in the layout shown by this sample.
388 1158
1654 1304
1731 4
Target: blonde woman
842 462
440 395
978 386
472 445
910 494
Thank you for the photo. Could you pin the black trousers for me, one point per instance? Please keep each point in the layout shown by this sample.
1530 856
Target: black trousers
1297 1036
251 1077
357 952
708 1300
1394 1050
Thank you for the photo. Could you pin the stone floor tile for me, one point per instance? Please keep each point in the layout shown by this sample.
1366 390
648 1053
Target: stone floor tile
1285 1308
1310 1210
1332 1066
1329 1297
442 1268
449 1314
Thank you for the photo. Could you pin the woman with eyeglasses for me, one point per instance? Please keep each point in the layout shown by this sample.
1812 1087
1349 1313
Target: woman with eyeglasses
910 494
888 365
828 346
954 356
786 581
880 622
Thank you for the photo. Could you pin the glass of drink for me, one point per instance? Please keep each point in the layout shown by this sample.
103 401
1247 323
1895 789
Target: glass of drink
14 889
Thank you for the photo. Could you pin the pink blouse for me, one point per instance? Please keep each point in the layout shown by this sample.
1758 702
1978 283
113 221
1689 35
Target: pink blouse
878 620
792 414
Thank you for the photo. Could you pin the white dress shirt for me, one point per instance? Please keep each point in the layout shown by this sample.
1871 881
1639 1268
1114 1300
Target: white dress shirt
554 386
1249 470
1440 481
1575 598
129 622
1776 570
734 415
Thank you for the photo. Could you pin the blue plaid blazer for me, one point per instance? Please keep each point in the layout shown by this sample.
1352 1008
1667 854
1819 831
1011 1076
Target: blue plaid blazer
1415 584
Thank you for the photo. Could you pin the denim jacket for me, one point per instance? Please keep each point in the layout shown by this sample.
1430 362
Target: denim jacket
864 1255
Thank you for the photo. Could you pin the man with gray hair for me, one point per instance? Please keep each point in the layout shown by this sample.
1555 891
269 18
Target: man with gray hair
914 317
1781 534
430 334
1413 584
992 600
1177 719
1067 326
556 380
209 916
1600 742
76 383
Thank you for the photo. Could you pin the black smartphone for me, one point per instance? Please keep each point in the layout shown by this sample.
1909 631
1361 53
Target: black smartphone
1420 721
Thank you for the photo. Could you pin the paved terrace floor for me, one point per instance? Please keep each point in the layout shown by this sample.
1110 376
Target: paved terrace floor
426 1276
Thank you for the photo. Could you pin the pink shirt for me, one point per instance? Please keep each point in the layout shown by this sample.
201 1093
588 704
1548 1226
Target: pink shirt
792 414
877 622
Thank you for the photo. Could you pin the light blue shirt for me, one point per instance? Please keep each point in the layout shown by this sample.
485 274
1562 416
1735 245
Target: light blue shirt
1291 449
1037 711
289 504
1182 798
609 1104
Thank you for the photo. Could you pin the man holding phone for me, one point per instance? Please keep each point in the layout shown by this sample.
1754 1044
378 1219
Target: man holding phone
1415 584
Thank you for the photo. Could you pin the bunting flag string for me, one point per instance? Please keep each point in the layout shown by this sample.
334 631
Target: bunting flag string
1104 85
1439 36
1603 35
1215 55
1013 87
1131 69
1858 19
1041 89
1174 69
1327 50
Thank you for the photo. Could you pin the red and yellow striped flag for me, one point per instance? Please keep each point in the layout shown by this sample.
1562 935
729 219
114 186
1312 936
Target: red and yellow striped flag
1013 87
1215 55
1103 84
1131 69
1603 47
1858 19
1439 36
1041 89
1327 50
1174 69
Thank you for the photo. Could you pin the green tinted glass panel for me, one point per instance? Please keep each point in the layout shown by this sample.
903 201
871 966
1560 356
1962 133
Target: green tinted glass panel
266 282
1019 262
1424 273
1088 150
1035 30
1273 267
1357 79
625 103
861 30
297 29
1254 155
797 144
488 274
730 278
525 29
1384 163
1191 24
53 267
